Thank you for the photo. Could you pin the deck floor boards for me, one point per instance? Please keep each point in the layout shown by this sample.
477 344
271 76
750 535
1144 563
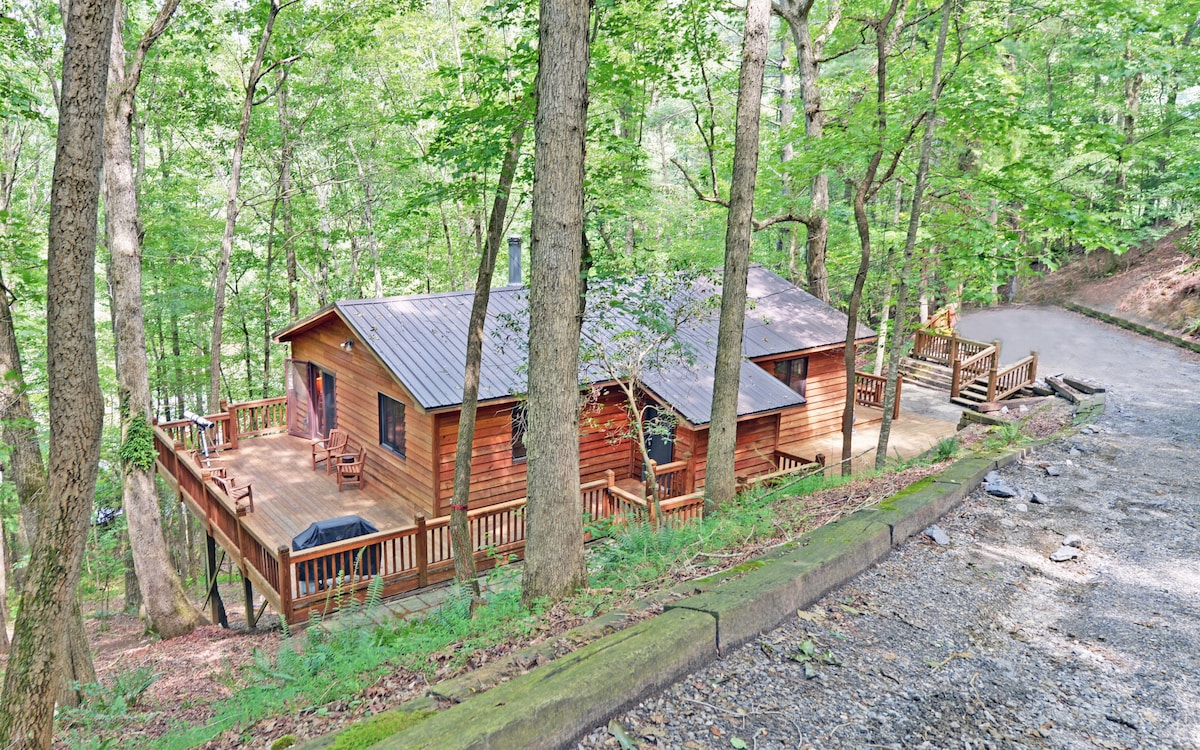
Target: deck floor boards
289 495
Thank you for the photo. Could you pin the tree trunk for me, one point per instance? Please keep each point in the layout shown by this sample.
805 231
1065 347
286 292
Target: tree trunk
231 212
554 563
285 195
168 610
808 56
899 334
721 482
863 190
76 407
369 219
460 534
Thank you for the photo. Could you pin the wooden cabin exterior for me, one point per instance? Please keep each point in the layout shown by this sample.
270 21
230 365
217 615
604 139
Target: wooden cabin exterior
389 373
353 357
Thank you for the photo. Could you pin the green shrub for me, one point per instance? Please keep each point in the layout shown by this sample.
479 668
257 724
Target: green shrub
372 730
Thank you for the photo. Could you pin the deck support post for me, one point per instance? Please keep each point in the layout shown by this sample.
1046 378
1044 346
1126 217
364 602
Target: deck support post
248 590
218 606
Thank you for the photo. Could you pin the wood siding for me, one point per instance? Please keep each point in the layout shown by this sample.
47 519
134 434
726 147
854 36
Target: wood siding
360 378
754 453
497 478
825 392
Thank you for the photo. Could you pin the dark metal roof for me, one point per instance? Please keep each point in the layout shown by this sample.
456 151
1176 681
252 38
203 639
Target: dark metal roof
422 339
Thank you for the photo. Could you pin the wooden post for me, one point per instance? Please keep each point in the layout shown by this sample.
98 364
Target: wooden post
955 378
217 606
422 553
993 370
896 405
610 476
1032 368
283 585
231 426
248 591
953 350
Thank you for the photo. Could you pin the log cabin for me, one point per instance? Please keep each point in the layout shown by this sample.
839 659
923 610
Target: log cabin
389 371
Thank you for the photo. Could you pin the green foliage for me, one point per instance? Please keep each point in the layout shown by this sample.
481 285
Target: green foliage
109 706
137 449
945 449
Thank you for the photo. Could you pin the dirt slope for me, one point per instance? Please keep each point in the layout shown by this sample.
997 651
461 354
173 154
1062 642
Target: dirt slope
1157 285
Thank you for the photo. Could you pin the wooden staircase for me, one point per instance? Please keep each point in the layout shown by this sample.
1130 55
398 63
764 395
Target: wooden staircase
969 370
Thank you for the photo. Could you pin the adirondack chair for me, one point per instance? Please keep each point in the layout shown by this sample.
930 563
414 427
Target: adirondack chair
352 473
237 494
329 449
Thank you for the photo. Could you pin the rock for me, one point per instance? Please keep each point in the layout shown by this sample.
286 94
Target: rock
1064 553
992 476
938 535
1073 540
1008 523
1053 471
1038 498
1000 489
1075 452
1021 508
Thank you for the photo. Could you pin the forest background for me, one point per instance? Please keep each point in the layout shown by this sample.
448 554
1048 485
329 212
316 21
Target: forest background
377 130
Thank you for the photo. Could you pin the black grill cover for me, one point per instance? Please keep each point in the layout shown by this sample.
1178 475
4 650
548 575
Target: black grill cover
337 530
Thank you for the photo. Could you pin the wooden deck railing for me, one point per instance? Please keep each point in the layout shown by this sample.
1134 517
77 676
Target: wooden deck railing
673 479
943 349
324 579
1015 377
869 391
976 367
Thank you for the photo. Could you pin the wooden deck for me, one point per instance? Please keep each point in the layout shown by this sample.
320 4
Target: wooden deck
912 434
289 495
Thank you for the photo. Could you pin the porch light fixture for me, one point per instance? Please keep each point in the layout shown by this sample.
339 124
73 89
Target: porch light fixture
347 345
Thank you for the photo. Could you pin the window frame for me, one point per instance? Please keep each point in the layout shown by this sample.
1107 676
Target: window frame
789 373
517 429
388 404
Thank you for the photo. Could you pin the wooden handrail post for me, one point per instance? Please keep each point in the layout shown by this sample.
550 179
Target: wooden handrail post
284 583
610 477
954 349
422 552
1033 367
955 378
231 425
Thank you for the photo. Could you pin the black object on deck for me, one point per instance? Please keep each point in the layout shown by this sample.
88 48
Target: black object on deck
352 563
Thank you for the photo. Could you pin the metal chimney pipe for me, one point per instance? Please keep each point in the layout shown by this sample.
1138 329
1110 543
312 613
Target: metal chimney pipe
514 261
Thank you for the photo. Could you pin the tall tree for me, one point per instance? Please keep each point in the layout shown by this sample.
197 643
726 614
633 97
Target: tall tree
168 610
464 557
865 188
554 563
76 405
895 344
232 204
721 482
809 50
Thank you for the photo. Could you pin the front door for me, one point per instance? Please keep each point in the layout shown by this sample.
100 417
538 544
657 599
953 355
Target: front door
300 415
660 443
311 405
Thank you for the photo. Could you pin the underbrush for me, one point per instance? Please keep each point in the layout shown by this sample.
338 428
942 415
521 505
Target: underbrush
341 660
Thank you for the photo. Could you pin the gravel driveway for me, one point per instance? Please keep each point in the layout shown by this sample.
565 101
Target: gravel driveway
984 642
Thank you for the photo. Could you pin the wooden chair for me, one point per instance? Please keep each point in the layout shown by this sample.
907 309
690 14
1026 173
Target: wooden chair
352 473
329 448
237 494
207 470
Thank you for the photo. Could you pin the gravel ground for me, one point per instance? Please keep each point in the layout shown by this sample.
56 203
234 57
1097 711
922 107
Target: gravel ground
985 642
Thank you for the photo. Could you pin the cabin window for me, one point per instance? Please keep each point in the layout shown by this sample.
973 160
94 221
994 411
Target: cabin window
518 433
793 373
391 424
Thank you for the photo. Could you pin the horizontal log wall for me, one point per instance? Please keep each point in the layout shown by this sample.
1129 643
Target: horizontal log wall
360 378
754 454
497 478
826 395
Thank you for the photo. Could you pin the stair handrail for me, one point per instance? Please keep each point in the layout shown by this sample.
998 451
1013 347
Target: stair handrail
969 367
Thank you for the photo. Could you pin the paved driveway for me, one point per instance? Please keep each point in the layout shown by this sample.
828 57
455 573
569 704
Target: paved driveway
985 642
